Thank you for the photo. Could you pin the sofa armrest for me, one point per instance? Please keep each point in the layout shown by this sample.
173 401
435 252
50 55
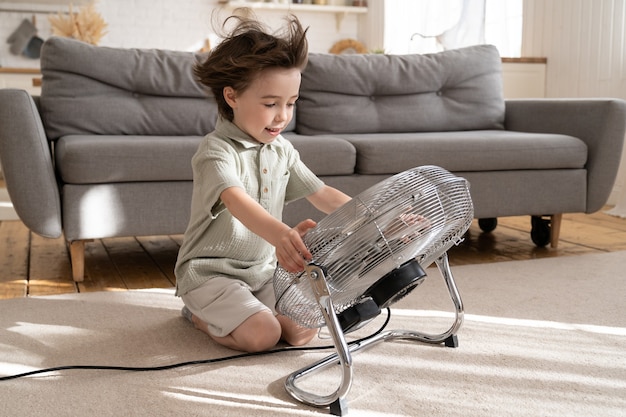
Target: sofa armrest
600 123
27 164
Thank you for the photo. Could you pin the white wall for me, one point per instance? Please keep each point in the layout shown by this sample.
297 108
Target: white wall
585 43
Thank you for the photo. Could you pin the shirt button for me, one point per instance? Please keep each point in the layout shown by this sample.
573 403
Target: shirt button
265 170
265 190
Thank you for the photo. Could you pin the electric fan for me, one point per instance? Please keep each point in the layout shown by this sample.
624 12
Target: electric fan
367 255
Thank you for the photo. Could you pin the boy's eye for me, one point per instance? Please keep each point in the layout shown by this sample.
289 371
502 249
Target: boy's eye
270 105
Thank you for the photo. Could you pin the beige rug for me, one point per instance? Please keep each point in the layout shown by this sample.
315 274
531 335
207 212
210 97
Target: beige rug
541 338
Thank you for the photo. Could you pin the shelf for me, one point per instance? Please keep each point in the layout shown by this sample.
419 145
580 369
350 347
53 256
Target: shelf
294 7
8 70
525 60
38 6
339 11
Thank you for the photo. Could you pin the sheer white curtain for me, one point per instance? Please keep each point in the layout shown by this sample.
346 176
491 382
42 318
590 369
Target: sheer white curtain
469 28
503 26
422 26
428 20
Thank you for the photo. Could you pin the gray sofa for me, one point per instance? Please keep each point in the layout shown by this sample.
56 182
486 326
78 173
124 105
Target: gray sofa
105 151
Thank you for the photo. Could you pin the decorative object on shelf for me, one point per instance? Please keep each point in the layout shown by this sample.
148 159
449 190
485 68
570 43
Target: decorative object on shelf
320 2
87 25
21 36
206 46
348 46
359 3
24 40
33 48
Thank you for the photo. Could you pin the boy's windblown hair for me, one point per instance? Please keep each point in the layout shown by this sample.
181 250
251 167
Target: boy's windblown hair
249 49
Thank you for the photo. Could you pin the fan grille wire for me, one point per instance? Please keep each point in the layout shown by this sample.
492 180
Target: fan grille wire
417 214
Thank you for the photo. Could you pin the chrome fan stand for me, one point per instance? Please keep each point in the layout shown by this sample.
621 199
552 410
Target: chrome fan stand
337 400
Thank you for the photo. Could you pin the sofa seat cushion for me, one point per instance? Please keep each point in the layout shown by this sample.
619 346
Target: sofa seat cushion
325 155
459 89
485 150
96 159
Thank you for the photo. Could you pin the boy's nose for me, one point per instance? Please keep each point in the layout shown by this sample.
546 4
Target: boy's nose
282 114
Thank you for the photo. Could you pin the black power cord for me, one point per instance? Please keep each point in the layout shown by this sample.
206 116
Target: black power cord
196 362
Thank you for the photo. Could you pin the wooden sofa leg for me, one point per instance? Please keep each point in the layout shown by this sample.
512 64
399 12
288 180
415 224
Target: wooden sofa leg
555 229
77 257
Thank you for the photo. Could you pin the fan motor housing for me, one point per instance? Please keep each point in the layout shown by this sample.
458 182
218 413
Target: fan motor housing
396 284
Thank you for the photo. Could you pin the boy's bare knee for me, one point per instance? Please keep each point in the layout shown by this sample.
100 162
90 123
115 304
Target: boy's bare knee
260 344
258 333
301 337
293 333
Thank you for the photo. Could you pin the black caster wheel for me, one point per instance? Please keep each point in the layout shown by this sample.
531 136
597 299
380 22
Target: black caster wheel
540 231
488 224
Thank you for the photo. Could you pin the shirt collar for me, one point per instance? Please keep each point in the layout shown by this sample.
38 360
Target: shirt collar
228 129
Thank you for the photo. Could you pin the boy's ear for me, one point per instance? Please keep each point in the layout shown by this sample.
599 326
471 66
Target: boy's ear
230 96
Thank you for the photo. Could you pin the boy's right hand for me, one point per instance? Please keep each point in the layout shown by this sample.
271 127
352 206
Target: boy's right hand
291 252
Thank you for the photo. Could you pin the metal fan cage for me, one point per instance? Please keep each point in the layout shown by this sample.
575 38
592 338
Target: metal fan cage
417 214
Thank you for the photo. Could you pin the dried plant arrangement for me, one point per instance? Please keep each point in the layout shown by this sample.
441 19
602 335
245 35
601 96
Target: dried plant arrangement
86 25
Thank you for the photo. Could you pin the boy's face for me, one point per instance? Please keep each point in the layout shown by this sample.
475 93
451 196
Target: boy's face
265 108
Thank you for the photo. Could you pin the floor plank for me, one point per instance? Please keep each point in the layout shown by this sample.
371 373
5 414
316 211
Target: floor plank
100 272
14 247
50 272
134 265
163 250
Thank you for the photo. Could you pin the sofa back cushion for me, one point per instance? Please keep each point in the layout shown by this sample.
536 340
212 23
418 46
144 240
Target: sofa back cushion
114 91
458 89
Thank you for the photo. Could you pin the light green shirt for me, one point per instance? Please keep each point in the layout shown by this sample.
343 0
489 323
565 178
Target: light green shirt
215 242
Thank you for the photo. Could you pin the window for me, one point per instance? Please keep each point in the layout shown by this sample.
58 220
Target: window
423 26
503 26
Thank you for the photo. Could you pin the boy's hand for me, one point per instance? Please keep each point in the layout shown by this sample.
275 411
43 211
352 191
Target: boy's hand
291 252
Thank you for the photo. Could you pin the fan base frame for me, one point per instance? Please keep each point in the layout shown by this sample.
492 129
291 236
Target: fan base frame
337 401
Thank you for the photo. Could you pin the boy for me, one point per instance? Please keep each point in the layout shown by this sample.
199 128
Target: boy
244 172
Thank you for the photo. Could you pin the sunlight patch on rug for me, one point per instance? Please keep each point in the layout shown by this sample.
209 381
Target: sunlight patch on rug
540 324
235 400
39 330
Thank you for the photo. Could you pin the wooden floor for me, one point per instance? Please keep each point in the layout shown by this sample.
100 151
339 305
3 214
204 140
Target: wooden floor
31 265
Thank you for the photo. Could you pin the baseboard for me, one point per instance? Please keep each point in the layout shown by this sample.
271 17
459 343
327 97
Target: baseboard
6 207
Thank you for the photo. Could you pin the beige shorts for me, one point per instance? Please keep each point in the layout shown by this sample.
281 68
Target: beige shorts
224 303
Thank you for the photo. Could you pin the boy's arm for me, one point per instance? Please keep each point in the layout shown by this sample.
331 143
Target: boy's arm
328 199
291 251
